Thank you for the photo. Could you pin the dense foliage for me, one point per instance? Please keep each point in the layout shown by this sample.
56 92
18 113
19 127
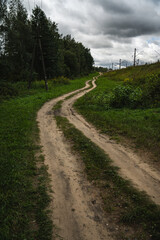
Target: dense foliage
143 93
20 52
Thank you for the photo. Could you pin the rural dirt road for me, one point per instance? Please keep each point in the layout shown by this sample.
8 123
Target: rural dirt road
77 210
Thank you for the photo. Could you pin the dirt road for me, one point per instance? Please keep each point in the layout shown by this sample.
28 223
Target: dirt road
76 208
76 205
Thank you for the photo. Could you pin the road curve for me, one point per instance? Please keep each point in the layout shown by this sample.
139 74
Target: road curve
76 206
77 211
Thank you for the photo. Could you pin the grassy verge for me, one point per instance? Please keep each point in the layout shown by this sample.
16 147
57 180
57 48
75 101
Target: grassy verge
134 72
140 125
131 214
24 196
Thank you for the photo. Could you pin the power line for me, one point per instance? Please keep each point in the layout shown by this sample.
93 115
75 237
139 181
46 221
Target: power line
139 53
156 52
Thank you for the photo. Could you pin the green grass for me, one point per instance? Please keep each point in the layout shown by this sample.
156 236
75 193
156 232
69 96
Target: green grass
128 209
140 125
24 196
134 72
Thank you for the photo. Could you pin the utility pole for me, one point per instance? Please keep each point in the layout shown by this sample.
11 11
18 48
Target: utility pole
38 42
120 62
134 61
43 65
126 65
112 66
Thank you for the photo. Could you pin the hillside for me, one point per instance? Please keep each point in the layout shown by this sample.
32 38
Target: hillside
126 103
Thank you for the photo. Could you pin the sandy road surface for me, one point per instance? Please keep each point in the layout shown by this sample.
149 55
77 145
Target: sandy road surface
76 206
132 167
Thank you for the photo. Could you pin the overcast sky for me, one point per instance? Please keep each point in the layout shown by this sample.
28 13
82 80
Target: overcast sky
110 28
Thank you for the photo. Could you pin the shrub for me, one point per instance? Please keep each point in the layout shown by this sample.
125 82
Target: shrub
136 98
7 90
152 90
120 96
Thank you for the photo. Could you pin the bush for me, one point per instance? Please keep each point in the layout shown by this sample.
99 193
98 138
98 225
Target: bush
7 90
148 95
120 96
152 90
136 98
130 96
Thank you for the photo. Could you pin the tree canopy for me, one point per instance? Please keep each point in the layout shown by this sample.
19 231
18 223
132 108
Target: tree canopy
20 35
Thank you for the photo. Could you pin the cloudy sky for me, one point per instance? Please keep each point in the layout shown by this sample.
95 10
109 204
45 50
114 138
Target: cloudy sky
112 29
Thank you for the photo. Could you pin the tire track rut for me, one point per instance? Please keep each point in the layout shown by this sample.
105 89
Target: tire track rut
74 213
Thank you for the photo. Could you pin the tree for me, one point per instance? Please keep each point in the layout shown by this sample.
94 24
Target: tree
77 58
18 42
47 31
21 37
3 8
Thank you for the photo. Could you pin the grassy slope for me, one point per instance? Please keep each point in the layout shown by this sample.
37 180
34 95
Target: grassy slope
142 126
23 187
134 72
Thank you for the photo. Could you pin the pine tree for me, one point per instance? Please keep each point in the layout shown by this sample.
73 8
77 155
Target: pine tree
47 31
18 42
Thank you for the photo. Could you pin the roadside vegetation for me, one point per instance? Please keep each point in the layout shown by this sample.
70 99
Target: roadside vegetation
24 182
126 103
131 215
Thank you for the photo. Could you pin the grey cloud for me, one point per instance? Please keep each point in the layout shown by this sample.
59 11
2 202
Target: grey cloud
99 44
130 31
115 26
142 21
155 1
114 6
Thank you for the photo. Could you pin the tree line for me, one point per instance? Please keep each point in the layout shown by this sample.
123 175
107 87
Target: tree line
20 51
